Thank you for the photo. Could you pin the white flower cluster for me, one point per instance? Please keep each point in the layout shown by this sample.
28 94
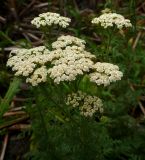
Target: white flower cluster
70 64
49 19
25 63
39 75
87 104
22 60
64 41
110 19
62 64
65 64
105 73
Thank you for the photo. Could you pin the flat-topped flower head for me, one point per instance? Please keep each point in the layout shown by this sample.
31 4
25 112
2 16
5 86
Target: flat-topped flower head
24 61
68 40
112 19
27 63
86 104
49 19
70 65
105 73
61 64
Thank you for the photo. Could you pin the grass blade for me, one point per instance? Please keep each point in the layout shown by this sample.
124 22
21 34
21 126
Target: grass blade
13 89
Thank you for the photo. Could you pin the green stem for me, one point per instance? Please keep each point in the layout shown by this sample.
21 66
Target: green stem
133 13
42 119
46 94
47 36
41 112
108 46
66 112
49 147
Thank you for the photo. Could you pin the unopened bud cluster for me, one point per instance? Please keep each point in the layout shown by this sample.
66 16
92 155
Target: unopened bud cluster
88 105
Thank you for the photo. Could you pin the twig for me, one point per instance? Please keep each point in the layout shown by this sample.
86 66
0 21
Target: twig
142 98
33 36
41 5
27 26
28 7
26 37
17 108
141 6
136 40
14 113
37 43
19 99
20 127
8 49
14 13
34 31
2 19
4 147
141 107
13 122
13 9
140 104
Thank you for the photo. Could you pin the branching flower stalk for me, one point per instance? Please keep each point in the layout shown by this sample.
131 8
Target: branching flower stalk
46 21
110 22
47 32
108 44
48 93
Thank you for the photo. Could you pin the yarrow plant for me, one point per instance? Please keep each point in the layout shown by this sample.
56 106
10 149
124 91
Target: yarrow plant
65 62
57 74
